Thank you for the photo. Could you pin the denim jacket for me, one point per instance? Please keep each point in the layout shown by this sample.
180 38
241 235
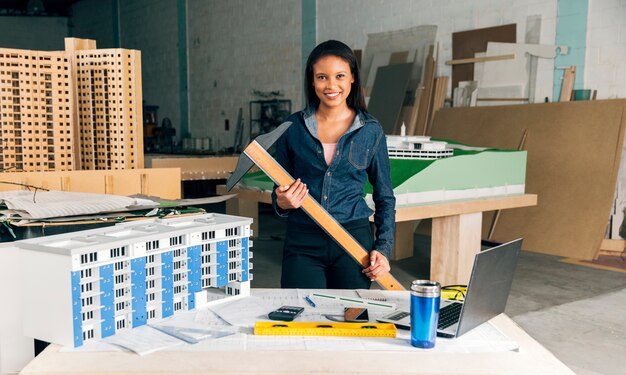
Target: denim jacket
361 154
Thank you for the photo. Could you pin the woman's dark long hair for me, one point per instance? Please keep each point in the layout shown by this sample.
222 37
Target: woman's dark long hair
356 99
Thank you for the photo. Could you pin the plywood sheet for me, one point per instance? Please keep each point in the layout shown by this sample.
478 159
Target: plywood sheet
416 40
465 44
160 182
388 94
574 150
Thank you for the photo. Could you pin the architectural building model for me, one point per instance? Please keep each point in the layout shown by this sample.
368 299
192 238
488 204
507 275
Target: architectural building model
415 147
424 171
92 284
70 110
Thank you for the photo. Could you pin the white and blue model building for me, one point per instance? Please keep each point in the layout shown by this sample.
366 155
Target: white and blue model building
94 283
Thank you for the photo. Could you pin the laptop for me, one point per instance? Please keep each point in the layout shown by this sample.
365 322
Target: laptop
486 296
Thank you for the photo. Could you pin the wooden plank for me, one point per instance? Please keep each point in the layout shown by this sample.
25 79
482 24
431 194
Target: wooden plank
572 219
611 247
388 94
465 44
451 208
425 97
411 126
455 242
398 57
438 98
569 76
197 168
161 182
481 59
263 159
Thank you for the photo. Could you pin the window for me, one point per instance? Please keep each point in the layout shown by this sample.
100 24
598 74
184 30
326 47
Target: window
85 273
208 235
120 324
87 315
89 258
118 252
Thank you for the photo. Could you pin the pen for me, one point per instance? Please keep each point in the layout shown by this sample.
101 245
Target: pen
309 301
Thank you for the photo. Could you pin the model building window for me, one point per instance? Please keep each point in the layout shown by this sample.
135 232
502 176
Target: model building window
178 240
120 324
85 273
87 315
152 245
87 301
88 334
118 252
88 258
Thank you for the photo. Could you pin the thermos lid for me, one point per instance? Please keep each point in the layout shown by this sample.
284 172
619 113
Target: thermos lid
426 288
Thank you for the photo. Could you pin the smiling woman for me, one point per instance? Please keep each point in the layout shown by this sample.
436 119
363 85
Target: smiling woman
333 147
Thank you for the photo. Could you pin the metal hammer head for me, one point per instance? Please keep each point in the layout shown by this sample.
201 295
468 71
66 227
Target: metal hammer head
245 163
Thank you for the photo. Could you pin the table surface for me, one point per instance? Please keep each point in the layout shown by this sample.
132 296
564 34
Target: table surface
531 358
418 211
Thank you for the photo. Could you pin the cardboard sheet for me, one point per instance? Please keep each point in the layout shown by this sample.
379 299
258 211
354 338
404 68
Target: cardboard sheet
574 150
465 44
388 94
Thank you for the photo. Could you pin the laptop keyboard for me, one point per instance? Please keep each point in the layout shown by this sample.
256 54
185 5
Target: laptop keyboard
399 315
449 315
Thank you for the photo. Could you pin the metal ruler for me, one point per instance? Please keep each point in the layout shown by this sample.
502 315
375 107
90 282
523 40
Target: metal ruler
325 329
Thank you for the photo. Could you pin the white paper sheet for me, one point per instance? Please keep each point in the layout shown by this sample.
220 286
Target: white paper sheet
46 204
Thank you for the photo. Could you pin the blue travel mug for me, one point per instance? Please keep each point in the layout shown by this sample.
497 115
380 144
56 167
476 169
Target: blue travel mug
425 297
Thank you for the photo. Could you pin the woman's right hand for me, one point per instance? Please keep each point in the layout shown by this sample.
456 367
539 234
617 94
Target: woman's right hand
291 197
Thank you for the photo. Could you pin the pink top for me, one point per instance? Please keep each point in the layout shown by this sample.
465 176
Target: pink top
329 151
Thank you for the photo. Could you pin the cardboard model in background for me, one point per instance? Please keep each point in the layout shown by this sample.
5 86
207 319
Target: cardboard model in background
397 69
425 171
69 110
575 189
465 44
511 80
92 284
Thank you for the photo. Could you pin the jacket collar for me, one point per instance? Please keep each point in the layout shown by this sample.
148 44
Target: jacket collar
310 121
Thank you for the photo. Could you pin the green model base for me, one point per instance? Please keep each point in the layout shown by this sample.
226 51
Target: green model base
466 169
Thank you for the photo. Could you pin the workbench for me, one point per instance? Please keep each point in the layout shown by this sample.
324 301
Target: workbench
529 358
456 227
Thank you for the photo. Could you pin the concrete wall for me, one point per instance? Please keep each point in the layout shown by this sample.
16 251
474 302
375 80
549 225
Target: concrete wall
351 21
94 19
606 48
234 47
151 26
35 33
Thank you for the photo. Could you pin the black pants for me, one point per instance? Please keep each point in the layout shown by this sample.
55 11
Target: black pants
313 260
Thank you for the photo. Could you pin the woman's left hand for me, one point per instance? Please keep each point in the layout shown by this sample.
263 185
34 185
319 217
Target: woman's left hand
379 265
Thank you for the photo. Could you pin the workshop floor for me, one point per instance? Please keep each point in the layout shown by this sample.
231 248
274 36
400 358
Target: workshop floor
577 312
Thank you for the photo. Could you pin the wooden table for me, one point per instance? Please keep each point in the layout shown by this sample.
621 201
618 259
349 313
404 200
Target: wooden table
456 228
531 358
